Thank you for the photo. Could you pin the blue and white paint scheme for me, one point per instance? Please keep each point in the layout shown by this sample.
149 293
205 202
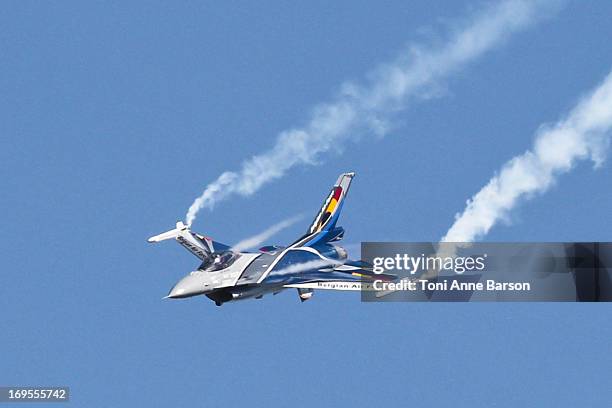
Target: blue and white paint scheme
314 261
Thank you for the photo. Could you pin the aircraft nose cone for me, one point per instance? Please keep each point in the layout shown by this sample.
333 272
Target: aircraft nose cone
186 287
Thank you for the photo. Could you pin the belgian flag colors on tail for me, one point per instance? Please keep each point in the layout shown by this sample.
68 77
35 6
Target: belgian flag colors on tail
323 228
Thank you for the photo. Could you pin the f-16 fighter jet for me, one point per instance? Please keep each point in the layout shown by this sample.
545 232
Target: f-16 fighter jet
313 261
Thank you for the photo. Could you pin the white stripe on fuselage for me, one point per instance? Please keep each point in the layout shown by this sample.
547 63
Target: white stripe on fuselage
333 286
243 262
277 260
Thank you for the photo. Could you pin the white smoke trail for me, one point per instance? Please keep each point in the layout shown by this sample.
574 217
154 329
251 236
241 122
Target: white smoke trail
256 240
306 266
583 134
361 108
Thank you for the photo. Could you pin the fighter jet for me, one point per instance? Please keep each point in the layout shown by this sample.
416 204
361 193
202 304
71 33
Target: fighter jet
313 261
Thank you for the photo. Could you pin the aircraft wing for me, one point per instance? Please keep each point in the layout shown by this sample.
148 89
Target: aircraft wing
197 244
337 273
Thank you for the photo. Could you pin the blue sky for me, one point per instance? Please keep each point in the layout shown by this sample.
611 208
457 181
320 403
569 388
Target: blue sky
114 117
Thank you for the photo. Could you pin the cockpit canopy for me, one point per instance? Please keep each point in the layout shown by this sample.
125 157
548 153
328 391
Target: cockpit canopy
218 260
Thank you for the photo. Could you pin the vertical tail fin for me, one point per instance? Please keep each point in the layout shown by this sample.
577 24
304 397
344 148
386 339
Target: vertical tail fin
324 224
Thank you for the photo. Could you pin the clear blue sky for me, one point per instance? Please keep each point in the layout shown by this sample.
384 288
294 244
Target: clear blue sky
114 116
